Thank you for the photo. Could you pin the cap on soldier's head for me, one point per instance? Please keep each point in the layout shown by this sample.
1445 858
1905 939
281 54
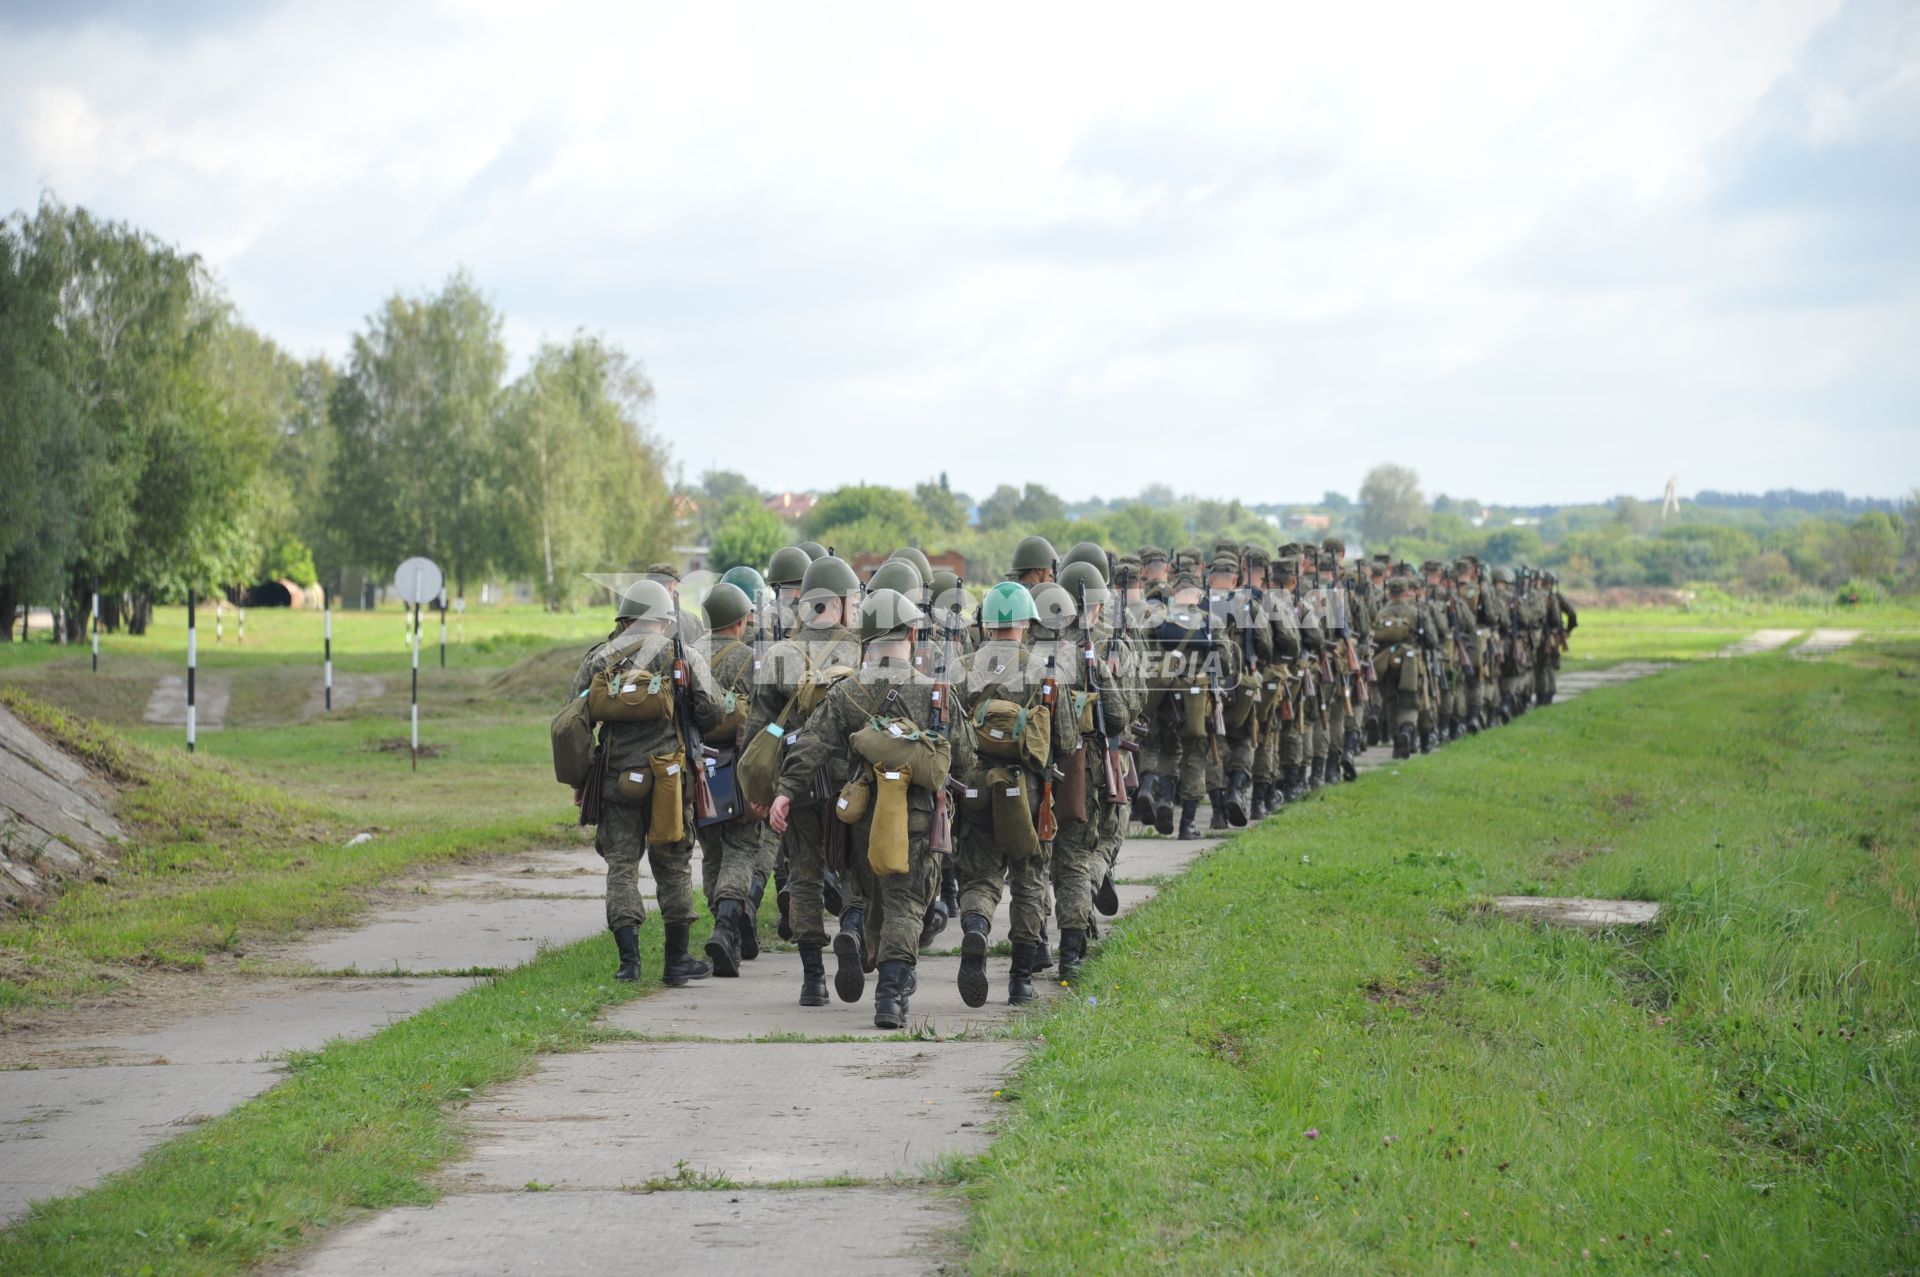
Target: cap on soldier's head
664 571
1291 548
814 549
1430 566
1335 546
1079 579
829 577
1549 577
1034 554
887 614
726 604
1287 564
1255 555
1089 553
788 565
1503 575
1186 577
1397 585
646 600
1384 560
1224 565
1227 546
915 555
1007 603
901 575
1151 554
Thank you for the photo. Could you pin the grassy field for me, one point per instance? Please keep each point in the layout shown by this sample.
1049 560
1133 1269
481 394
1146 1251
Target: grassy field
1321 1051
1605 637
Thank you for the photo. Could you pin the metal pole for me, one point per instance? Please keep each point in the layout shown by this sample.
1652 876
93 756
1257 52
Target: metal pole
242 640
326 608
443 629
219 621
193 658
415 708
96 622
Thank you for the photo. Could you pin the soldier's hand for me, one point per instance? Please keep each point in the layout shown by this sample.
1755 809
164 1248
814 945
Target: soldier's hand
579 793
777 814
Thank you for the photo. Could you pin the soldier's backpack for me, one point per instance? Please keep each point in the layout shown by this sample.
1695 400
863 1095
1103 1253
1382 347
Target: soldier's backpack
573 743
1008 729
1392 626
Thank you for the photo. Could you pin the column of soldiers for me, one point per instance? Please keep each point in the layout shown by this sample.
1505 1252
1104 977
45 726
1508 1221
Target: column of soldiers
899 753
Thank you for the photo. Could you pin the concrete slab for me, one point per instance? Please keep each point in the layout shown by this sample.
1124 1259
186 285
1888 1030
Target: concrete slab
1158 857
628 1113
1760 641
347 690
67 1129
565 871
167 707
764 1002
278 1016
851 1232
1825 643
1579 911
454 935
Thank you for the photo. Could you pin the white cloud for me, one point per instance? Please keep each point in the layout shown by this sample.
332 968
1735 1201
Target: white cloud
1267 244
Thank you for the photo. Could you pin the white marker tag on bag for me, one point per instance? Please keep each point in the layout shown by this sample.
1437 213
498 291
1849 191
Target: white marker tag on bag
1193 691
673 769
973 793
996 733
629 689
891 775
894 728
843 804
775 730
638 778
1014 792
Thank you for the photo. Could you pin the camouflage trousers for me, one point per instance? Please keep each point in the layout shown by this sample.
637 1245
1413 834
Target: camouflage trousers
731 855
1084 851
1234 755
895 905
1166 752
805 845
1266 754
983 867
621 840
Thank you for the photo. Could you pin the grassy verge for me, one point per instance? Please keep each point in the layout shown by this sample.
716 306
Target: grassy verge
1318 1051
358 1126
221 859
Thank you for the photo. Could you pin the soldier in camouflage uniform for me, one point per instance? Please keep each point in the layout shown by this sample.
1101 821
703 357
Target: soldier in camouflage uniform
1398 659
1230 768
640 648
989 858
1514 656
1561 621
1276 687
1183 664
887 689
736 856
819 648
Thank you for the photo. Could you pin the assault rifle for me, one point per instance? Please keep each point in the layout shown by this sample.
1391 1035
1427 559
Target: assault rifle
1109 757
1049 824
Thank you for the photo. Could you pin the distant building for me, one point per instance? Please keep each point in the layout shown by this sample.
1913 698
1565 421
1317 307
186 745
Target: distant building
791 505
952 560
1312 522
693 558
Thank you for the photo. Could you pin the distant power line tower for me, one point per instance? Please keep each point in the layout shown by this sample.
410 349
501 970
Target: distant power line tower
1671 503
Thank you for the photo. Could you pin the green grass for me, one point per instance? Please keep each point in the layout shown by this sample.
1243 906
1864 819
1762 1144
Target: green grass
1741 1085
1607 636
357 1127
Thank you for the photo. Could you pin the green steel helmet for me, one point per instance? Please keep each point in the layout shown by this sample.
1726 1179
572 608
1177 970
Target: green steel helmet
646 600
1084 579
788 566
828 577
900 575
1549 577
1503 575
915 555
746 580
1055 606
945 581
1087 552
884 613
814 550
1034 554
1007 603
948 595
726 604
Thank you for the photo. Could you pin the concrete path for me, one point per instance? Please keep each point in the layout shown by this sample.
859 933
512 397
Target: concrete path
77 1109
167 707
1760 641
347 689
1825 643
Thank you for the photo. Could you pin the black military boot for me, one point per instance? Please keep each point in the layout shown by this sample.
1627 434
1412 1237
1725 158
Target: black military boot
950 888
1105 898
1316 771
1160 790
850 953
1428 741
1348 771
1353 745
1330 770
723 944
1042 955
1020 978
627 941
1403 743
830 886
784 899
973 958
749 928
679 967
895 985
813 977
1142 812
1237 794
1073 952
934 923
1472 725
1217 809
1190 818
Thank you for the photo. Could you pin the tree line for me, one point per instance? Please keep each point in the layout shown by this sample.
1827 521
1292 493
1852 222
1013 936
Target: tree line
153 441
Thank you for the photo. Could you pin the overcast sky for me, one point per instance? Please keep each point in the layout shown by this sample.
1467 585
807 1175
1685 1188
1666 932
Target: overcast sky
1539 252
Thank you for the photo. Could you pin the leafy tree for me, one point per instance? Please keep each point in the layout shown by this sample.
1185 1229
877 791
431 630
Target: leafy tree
1001 509
1869 548
944 510
1392 504
866 518
1131 527
1038 504
747 535
415 422
1335 502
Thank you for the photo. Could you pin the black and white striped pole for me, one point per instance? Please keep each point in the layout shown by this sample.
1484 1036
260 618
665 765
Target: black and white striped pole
417 582
326 644
193 659
443 629
96 623
414 709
